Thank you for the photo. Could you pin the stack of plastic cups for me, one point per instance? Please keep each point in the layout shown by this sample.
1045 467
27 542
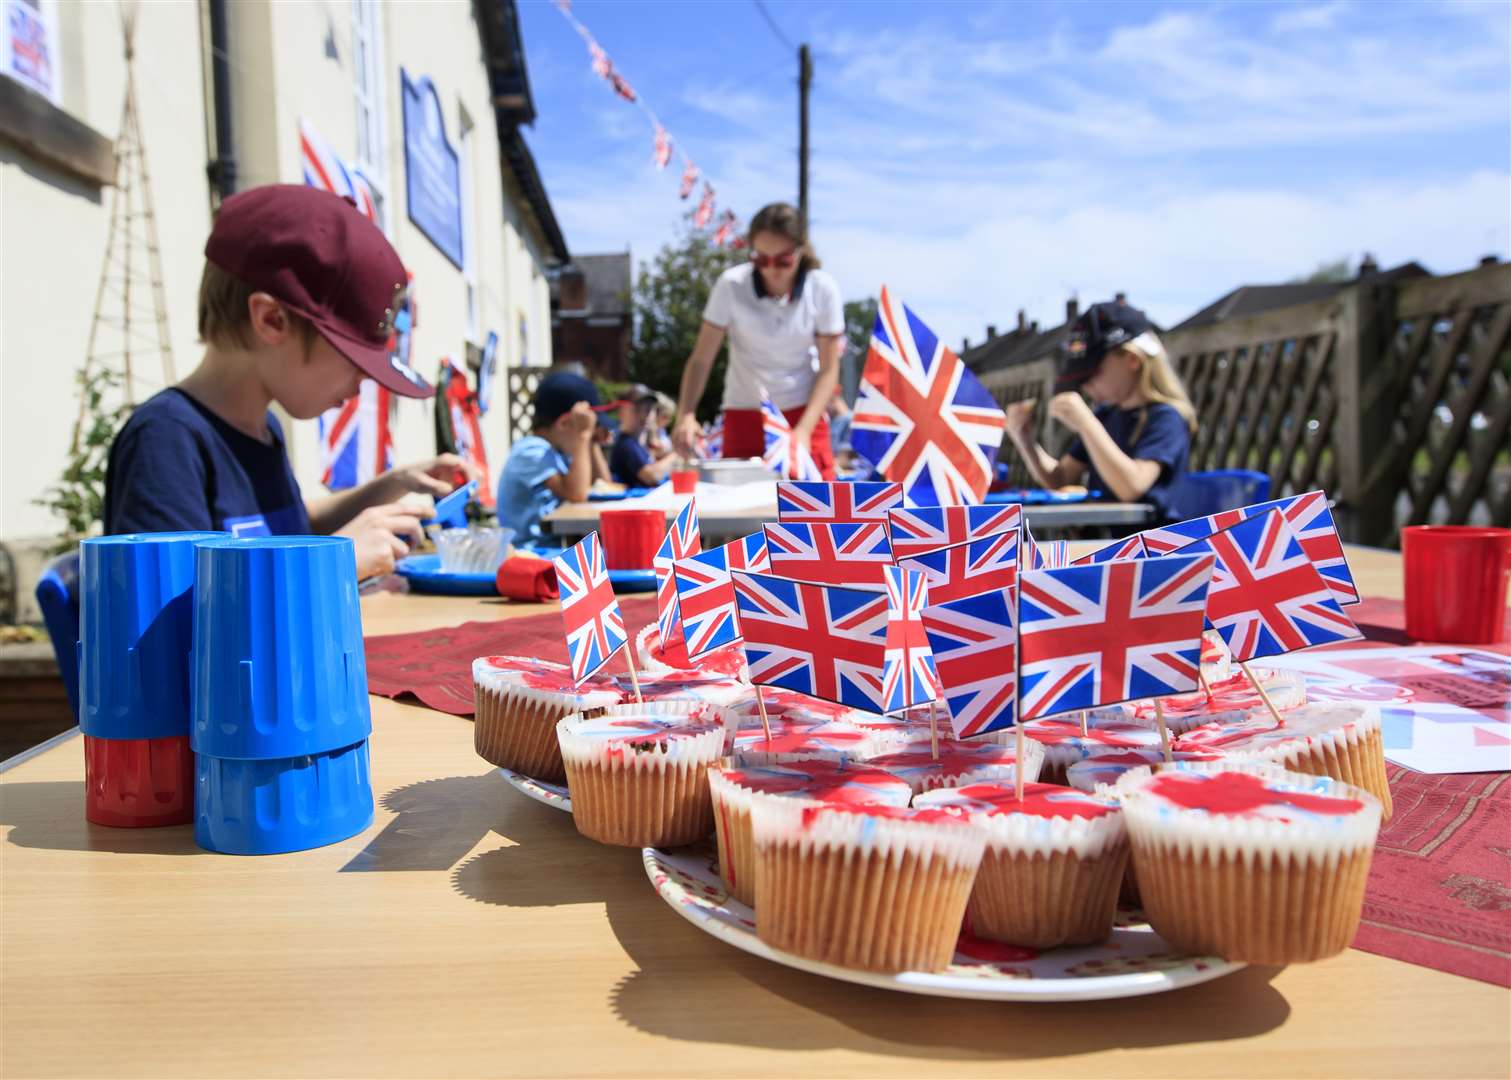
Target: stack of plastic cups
136 604
280 712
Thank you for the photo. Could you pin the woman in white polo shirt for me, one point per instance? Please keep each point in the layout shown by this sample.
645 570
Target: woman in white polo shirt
786 327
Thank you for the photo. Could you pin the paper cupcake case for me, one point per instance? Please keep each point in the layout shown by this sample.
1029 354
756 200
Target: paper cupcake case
1278 880
514 724
637 774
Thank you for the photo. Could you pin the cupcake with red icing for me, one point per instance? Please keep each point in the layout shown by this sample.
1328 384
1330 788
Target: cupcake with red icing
1231 700
1338 739
717 691
1250 862
959 762
1095 774
799 740
792 705
880 888
1064 744
519 700
735 789
1053 864
655 659
638 774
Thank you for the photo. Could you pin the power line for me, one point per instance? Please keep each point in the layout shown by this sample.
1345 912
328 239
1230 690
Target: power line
771 22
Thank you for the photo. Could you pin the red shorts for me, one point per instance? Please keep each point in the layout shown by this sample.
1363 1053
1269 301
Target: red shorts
744 437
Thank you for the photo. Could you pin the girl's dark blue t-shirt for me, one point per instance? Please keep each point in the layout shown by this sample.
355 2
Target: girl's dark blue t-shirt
176 465
1163 437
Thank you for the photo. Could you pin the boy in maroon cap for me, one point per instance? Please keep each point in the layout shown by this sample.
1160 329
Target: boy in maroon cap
296 306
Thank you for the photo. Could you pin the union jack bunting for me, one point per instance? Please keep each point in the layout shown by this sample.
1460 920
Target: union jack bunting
690 176
822 640
713 438
784 456
663 154
842 501
908 675
1131 547
1098 635
589 611
923 419
682 539
847 553
974 642
921 529
1266 597
705 209
706 596
1310 520
967 569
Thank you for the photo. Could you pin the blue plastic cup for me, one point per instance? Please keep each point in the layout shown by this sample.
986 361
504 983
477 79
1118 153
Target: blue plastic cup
290 804
136 606
278 666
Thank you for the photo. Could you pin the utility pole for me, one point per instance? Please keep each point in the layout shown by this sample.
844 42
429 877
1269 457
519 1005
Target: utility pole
804 84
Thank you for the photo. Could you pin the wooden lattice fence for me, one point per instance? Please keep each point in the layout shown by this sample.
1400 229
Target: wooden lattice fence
521 383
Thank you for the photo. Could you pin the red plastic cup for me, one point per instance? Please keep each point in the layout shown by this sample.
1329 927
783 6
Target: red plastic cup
631 537
684 481
1456 582
138 783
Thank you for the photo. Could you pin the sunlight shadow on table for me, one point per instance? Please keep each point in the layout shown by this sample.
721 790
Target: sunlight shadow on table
49 814
437 823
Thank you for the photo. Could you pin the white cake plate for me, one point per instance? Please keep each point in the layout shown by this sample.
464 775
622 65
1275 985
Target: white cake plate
542 791
1133 961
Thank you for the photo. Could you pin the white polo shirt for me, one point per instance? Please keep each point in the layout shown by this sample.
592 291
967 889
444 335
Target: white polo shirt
771 339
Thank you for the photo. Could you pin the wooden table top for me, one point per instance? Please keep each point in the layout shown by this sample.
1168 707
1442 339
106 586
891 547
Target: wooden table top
472 932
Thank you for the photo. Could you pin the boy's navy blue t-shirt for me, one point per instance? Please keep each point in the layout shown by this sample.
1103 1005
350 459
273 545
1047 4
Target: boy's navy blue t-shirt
627 458
1164 438
176 465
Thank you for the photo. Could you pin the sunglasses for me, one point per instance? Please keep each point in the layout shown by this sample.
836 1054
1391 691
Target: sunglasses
782 261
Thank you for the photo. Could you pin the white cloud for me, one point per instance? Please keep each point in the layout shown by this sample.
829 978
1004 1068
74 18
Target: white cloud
1310 16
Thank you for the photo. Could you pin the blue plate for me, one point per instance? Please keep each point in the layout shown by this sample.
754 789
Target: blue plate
625 581
615 496
1037 496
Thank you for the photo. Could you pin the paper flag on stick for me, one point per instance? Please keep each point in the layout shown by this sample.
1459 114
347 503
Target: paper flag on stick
921 529
841 501
975 647
979 566
705 594
851 553
589 610
682 540
908 674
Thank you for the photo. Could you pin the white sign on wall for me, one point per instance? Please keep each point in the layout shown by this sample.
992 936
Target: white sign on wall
32 45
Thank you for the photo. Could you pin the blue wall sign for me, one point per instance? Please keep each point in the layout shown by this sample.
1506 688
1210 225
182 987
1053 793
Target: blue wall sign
433 180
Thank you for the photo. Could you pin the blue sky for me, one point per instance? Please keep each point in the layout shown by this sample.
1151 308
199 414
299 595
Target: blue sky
985 157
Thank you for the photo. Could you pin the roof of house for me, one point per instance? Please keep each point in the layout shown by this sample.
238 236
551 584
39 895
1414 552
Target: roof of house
1254 299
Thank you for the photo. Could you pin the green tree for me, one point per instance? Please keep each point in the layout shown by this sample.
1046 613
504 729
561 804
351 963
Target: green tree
668 300
1334 270
860 320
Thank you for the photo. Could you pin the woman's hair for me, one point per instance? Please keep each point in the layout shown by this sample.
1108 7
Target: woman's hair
1157 380
784 220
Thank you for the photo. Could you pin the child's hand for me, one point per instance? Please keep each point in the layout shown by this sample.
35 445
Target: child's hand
1070 409
382 535
1020 419
580 422
436 477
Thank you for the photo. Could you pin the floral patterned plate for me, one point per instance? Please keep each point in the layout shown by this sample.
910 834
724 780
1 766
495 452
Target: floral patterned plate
1133 961
542 791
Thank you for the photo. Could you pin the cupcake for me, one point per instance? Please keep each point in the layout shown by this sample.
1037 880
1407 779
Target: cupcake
896 731
1231 699
1053 864
880 888
1250 862
519 701
698 686
1093 774
1338 739
638 774
734 789
1064 744
795 740
958 763
655 659
791 705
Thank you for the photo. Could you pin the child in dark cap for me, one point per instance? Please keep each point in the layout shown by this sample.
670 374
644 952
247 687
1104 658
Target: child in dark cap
631 462
1135 445
557 462
296 306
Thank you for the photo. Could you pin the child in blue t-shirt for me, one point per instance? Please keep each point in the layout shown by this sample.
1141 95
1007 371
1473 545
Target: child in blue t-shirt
1135 445
557 462
631 462
296 306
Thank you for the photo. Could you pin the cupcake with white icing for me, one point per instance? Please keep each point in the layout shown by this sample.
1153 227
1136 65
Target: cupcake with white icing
1231 699
959 762
798 740
1064 744
655 659
519 699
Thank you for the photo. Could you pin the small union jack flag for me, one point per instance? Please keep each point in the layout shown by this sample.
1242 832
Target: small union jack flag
975 646
1098 635
1131 547
1266 597
836 502
783 455
967 569
690 176
705 210
589 611
663 147
705 594
922 418
822 640
922 529
682 539
849 553
1310 520
713 438
908 675
1050 555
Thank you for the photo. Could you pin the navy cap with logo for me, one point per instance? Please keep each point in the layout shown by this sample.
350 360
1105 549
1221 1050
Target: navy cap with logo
1101 329
558 392
315 253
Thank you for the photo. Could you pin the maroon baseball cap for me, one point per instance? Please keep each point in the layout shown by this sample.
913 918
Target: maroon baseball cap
315 253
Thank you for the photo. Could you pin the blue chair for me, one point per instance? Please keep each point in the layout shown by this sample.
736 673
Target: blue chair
58 597
1204 493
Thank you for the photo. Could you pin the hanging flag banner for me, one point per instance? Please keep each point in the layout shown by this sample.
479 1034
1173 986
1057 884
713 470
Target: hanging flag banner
663 148
705 211
689 180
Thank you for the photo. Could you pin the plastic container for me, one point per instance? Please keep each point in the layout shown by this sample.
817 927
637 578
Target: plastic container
1202 494
684 481
279 668
475 550
136 605
289 804
138 783
1456 583
631 537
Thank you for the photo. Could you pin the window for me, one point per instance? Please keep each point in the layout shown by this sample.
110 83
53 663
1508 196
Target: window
469 220
368 86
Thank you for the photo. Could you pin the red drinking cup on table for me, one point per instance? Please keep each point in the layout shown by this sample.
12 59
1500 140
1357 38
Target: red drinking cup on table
631 537
684 481
1456 583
